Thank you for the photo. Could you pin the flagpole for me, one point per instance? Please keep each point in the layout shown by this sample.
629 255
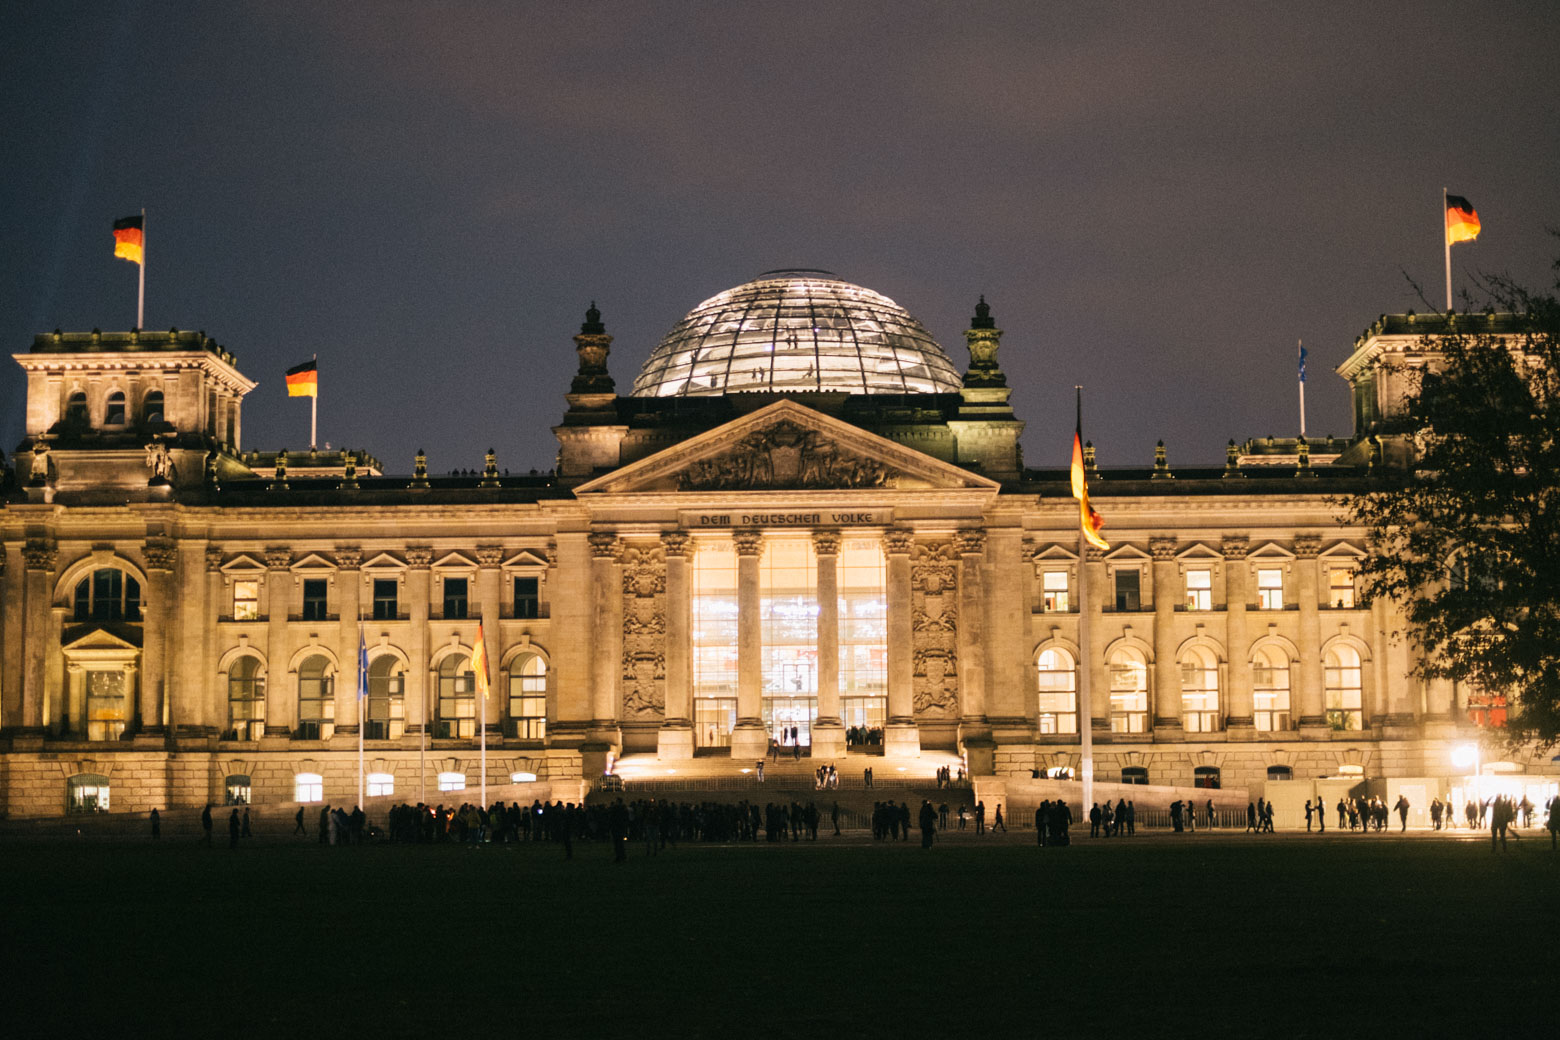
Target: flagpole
1085 703
482 713
140 299
314 408
362 701
1300 346
1446 240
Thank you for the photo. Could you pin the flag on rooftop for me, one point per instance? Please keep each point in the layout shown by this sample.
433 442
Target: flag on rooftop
1089 521
304 380
1462 222
130 239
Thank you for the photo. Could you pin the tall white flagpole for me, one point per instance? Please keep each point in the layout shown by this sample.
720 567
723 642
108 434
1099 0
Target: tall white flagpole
1300 346
482 713
1085 691
362 700
140 300
314 408
1446 240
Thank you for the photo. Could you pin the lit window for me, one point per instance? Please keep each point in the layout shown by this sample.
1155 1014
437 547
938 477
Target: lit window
1340 588
246 700
87 793
315 592
108 703
452 781
1270 689
108 594
114 409
788 613
237 791
1134 774
454 598
246 600
1129 589
1059 773
316 699
1199 589
863 606
522 778
528 597
1280 773
308 787
1205 776
152 407
380 785
1270 589
1055 591
457 698
386 600
1199 691
1128 691
1058 692
1343 692
528 698
386 699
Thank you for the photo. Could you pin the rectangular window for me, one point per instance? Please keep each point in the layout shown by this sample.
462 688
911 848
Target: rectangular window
107 704
1270 589
1054 592
863 606
714 643
1129 589
528 698
314 599
528 597
454 598
1340 588
1199 589
246 600
381 785
386 599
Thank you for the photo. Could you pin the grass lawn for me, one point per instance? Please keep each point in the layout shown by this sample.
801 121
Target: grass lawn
1212 936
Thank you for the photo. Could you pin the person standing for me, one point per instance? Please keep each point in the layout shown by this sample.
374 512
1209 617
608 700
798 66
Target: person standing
1094 820
1402 811
1308 812
834 818
998 825
246 832
1251 817
928 821
760 764
1041 821
234 826
298 827
980 817
205 824
156 824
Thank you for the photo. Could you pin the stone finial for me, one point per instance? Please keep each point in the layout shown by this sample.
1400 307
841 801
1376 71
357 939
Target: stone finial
349 480
983 318
592 324
1232 460
489 470
1303 465
983 338
280 483
419 470
1161 463
1089 468
592 344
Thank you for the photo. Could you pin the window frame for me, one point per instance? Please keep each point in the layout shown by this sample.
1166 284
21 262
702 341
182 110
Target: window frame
1056 720
1055 598
316 599
526 607
1198 597
385 607
308 788
1270 597
446 599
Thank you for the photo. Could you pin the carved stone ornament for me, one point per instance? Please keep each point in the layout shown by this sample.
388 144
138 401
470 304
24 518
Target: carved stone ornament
39 556
749 543
1307 546
934 629
1094 554
159 461
214 557
971 543
349 558
644 632
278 559
826 543
1162 549
159 555
419 556
490 555
604 546
933 568
677 543
898 543
784 456
1235 547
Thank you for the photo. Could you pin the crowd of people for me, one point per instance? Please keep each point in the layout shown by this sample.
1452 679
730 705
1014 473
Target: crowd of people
1114 820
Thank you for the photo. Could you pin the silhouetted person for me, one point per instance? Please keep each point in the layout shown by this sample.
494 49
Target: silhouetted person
998 825
205 823
246 831
980 817
298 827
156 825
928 823
234 826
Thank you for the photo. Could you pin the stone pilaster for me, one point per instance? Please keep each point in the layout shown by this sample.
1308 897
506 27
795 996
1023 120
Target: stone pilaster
1313 715
1238 720
900 737
11 615
675 739
419 590
281 689
191 668
1093 567
1167 670
349 613
160 619
490 594
607 634
828 731
750 740
37 607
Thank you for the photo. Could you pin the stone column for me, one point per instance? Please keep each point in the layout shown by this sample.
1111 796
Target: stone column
490 596
1167 670
900 737
750 740
675 739
190 668
1313 715
11 614
1093 568
1401 698
38 610
160 621
74 723
215 693
1440 721
828 732
419 589
973 642
1238 721
281 692
607 633
349 597
1007 575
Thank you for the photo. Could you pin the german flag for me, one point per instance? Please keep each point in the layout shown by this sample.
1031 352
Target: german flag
304 380
130 239
479 663
1462 223
1089 521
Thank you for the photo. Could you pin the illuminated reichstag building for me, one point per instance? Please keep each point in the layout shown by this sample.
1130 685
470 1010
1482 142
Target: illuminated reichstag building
804 524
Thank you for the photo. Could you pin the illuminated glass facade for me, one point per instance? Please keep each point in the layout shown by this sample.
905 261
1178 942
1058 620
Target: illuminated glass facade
797 331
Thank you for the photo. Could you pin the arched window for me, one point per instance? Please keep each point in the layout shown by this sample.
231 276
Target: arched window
1270 689
76 409
316 699
152 407
246 699
308 787
528 698
522 778
457 709
1058 692
1199 690
1128 691
1343 693
381 785
238 792
452 781
114 409
1280 773
386 699
108 594
1134 774
1205 776
86 793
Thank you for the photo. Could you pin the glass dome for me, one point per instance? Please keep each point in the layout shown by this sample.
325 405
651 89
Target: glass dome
797 331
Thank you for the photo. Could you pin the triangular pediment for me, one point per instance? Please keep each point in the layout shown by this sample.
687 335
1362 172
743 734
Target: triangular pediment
100 639
242 562
1343 551
455 561
1127 552
384 562
1198 551
313 562
1055 553
786 446
524 559
1270 551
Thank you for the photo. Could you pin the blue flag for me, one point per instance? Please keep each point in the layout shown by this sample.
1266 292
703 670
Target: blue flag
1302 364
362 665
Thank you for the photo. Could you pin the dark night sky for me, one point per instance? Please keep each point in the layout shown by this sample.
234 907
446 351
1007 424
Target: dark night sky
1156 202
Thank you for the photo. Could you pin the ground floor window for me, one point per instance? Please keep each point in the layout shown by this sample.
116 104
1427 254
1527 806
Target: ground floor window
1134 774
238 792
1205 776
1280 773
452 781
713 720
522 778
789 720
864 718
87 793
380 785
308 787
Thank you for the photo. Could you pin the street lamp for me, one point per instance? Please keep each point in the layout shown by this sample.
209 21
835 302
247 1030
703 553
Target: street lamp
1464 756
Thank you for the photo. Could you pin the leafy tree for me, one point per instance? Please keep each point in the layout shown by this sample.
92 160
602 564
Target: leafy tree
1467 536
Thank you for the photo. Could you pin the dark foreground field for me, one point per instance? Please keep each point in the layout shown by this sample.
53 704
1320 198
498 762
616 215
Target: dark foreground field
1221 936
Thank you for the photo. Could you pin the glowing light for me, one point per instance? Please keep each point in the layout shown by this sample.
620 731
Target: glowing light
522 778
1465 756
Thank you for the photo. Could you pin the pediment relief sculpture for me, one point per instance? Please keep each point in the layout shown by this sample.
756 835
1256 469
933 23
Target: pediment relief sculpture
785 455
